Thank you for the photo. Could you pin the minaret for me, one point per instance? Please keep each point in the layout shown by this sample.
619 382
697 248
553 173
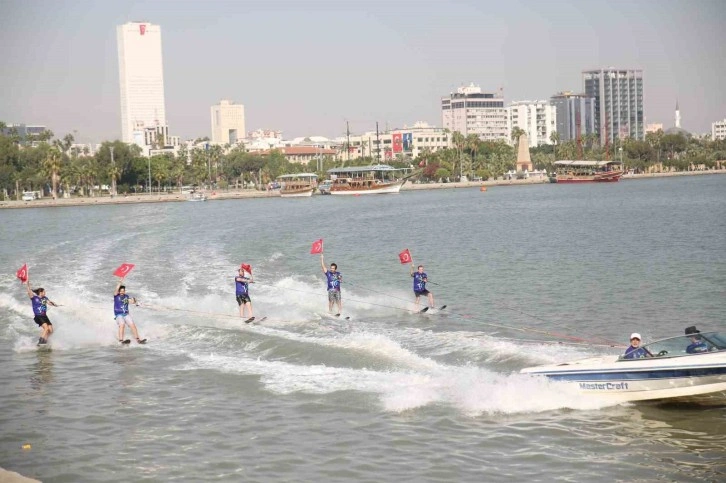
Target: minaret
678 116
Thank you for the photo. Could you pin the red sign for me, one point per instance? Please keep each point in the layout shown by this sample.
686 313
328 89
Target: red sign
123 270
397 142
22 274
405 257
246 268
142 29
317 247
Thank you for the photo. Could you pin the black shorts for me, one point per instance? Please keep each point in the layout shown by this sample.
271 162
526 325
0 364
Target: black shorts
421 292
41 319
243 299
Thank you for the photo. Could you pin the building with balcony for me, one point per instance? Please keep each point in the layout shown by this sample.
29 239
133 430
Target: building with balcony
537 118
619 104
718 130
471 111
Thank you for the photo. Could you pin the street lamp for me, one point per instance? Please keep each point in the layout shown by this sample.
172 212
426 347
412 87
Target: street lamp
149 173
113 173
621 155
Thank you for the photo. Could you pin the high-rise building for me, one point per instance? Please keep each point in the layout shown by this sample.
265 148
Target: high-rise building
228 122
141 79
618 97
536 118
573 109
471 111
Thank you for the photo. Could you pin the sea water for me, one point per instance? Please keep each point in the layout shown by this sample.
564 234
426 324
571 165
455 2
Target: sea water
529 274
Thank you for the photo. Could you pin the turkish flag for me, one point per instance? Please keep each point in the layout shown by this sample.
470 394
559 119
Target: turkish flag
405 257
317 247
246 268
123 270
22 274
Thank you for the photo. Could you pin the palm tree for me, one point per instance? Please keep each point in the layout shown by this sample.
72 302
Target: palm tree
555 140
516 134
52 165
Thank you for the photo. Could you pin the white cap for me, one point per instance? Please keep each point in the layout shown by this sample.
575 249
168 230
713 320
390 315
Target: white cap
635 335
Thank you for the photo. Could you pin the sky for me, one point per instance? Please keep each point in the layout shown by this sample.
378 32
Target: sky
305 67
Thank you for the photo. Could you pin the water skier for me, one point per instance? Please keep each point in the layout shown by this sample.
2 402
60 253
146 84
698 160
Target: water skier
40 305
242 292
121 313
334 277
419 285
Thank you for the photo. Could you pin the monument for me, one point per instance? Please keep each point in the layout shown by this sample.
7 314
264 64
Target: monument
524 162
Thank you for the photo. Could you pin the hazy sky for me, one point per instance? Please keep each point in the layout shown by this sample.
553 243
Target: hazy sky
307 66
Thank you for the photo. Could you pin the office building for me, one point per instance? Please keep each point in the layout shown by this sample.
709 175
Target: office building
573 110
536 118
228 122
141 80
471 111
618 97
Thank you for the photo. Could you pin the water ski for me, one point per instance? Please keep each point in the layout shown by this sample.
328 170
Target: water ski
141 341
423 310
252 319
124 342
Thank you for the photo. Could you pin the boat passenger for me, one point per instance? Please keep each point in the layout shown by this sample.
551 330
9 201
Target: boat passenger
697 344
635 351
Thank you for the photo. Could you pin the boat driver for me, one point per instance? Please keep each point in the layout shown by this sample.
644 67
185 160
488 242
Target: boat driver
697 344
635 351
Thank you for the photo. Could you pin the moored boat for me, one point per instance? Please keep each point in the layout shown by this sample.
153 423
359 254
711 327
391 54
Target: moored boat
671 371
363 180
567 171
197 196
300 185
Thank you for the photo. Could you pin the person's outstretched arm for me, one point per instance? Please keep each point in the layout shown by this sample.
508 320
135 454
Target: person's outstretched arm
322 263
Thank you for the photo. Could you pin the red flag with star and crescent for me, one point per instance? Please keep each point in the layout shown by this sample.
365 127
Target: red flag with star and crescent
317 247
22 274
246 268
405 257
123 270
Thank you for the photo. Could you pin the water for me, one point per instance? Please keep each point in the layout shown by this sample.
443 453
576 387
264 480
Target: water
388 395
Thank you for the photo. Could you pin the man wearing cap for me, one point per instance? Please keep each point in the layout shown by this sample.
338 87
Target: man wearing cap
697 344
635 351
242 282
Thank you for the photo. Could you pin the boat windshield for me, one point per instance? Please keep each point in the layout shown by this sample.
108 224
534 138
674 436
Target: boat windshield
687 345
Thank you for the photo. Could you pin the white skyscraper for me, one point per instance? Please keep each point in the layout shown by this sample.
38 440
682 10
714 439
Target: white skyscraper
228 122
141 79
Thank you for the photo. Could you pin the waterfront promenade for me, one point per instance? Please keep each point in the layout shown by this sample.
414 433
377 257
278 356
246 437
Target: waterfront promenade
252 193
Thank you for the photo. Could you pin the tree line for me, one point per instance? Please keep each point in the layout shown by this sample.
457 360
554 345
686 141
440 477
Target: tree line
55 165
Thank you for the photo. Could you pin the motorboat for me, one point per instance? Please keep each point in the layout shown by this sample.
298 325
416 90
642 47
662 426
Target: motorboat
670 370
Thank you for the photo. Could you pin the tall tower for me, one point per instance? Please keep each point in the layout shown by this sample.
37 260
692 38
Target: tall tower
678 116
619 103
141 79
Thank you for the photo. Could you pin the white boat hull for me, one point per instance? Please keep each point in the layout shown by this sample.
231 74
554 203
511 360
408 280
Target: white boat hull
389 188
297 194
678 378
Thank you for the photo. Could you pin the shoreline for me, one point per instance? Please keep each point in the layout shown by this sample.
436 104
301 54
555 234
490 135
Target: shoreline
247 193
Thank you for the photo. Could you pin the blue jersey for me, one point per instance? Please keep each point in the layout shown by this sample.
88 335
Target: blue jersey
121 304
333 280
40 305
696 347
243 288
633 353
419 281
